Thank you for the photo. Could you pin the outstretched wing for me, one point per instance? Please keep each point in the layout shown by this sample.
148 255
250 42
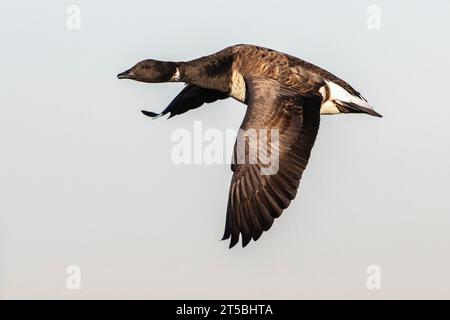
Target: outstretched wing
257 198
191 97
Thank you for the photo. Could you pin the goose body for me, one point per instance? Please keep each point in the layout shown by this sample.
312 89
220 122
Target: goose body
282 93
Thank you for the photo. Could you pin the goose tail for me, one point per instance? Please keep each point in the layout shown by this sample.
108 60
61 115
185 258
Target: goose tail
339 100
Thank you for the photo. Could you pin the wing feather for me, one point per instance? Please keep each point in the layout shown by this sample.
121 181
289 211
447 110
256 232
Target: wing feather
191 97
255 199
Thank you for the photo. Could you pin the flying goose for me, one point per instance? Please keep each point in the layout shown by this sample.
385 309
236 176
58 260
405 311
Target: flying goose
281 92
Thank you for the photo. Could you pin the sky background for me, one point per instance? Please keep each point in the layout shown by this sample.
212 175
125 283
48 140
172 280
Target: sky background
87 180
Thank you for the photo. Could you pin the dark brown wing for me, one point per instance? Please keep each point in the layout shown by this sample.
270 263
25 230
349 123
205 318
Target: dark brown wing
256 199
191 97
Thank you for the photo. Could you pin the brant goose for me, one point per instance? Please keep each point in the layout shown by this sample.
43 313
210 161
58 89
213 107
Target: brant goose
281 92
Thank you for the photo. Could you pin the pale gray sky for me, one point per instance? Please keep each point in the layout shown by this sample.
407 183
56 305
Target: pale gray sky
87 180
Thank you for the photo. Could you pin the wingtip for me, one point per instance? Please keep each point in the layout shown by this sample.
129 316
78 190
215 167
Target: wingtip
234 240
245 242
225 237
150 114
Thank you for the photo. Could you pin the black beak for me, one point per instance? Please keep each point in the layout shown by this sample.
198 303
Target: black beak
126 75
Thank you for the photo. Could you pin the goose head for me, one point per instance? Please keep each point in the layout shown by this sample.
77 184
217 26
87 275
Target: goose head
151 71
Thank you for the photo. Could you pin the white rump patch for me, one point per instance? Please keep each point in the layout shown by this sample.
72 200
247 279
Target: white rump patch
337 93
